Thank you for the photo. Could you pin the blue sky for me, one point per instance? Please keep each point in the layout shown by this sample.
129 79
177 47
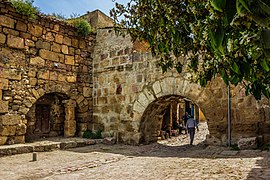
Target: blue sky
68 7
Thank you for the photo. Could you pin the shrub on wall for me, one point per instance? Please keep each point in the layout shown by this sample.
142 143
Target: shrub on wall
82 26
25 7
92 135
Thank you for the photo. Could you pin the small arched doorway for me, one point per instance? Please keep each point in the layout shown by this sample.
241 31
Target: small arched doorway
164 111
46 118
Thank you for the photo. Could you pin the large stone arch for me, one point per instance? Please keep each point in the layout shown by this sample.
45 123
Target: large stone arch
208 99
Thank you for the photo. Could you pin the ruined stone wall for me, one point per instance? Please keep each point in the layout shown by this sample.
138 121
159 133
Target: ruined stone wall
36 58
131 92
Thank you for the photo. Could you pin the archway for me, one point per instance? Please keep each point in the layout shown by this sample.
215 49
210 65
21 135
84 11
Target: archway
49 117
166 110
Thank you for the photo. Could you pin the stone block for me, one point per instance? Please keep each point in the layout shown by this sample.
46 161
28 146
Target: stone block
32 72
37 61
56 47
109 140
53 76
59 38
87 92
143 100
67 41
74 43
10 119
62 78
43 45
33 81
138 107
64 49
11 32
43 75
7 130
23 110
56 27
7 21
21 26
49 55
19 139
29 43
71 79
49 36
247 143
67 145
15 42
3 84
21 129
3 139
13 74
69 60
1 94
3 106
156 87
82 127
70 128
79 99
2 38
35 30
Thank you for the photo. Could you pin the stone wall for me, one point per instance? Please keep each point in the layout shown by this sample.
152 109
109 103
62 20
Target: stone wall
37 58
131 93
107 82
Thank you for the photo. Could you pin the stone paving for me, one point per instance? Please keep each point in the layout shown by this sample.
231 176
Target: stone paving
167 159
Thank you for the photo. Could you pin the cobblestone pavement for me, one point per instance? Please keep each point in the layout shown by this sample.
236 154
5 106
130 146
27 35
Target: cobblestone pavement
167 159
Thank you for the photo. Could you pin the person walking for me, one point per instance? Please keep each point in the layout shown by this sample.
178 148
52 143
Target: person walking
190 126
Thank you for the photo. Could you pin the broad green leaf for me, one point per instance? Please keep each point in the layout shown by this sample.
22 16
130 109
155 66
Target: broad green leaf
218 5
224 76
240 5
265 65
235 68
216 39
234 80
219 36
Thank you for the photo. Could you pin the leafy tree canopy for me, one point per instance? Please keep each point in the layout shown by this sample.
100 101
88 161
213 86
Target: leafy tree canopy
230 38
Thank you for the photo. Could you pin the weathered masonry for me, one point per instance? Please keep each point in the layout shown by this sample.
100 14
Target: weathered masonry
45 78
54 83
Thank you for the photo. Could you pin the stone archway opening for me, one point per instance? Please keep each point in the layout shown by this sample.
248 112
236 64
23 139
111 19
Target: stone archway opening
46 118
164 111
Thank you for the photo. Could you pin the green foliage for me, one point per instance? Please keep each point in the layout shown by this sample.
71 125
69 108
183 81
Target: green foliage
58 16
265 147
25 7
229 38
92 135
82 26
235 147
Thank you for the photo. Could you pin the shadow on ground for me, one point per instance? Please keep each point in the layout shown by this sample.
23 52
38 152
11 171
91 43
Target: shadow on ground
186 151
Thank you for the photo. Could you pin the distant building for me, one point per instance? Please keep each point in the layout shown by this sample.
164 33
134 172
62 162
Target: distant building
98 19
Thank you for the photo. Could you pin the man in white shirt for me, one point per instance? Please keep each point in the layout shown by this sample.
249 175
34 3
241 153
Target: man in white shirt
191 124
